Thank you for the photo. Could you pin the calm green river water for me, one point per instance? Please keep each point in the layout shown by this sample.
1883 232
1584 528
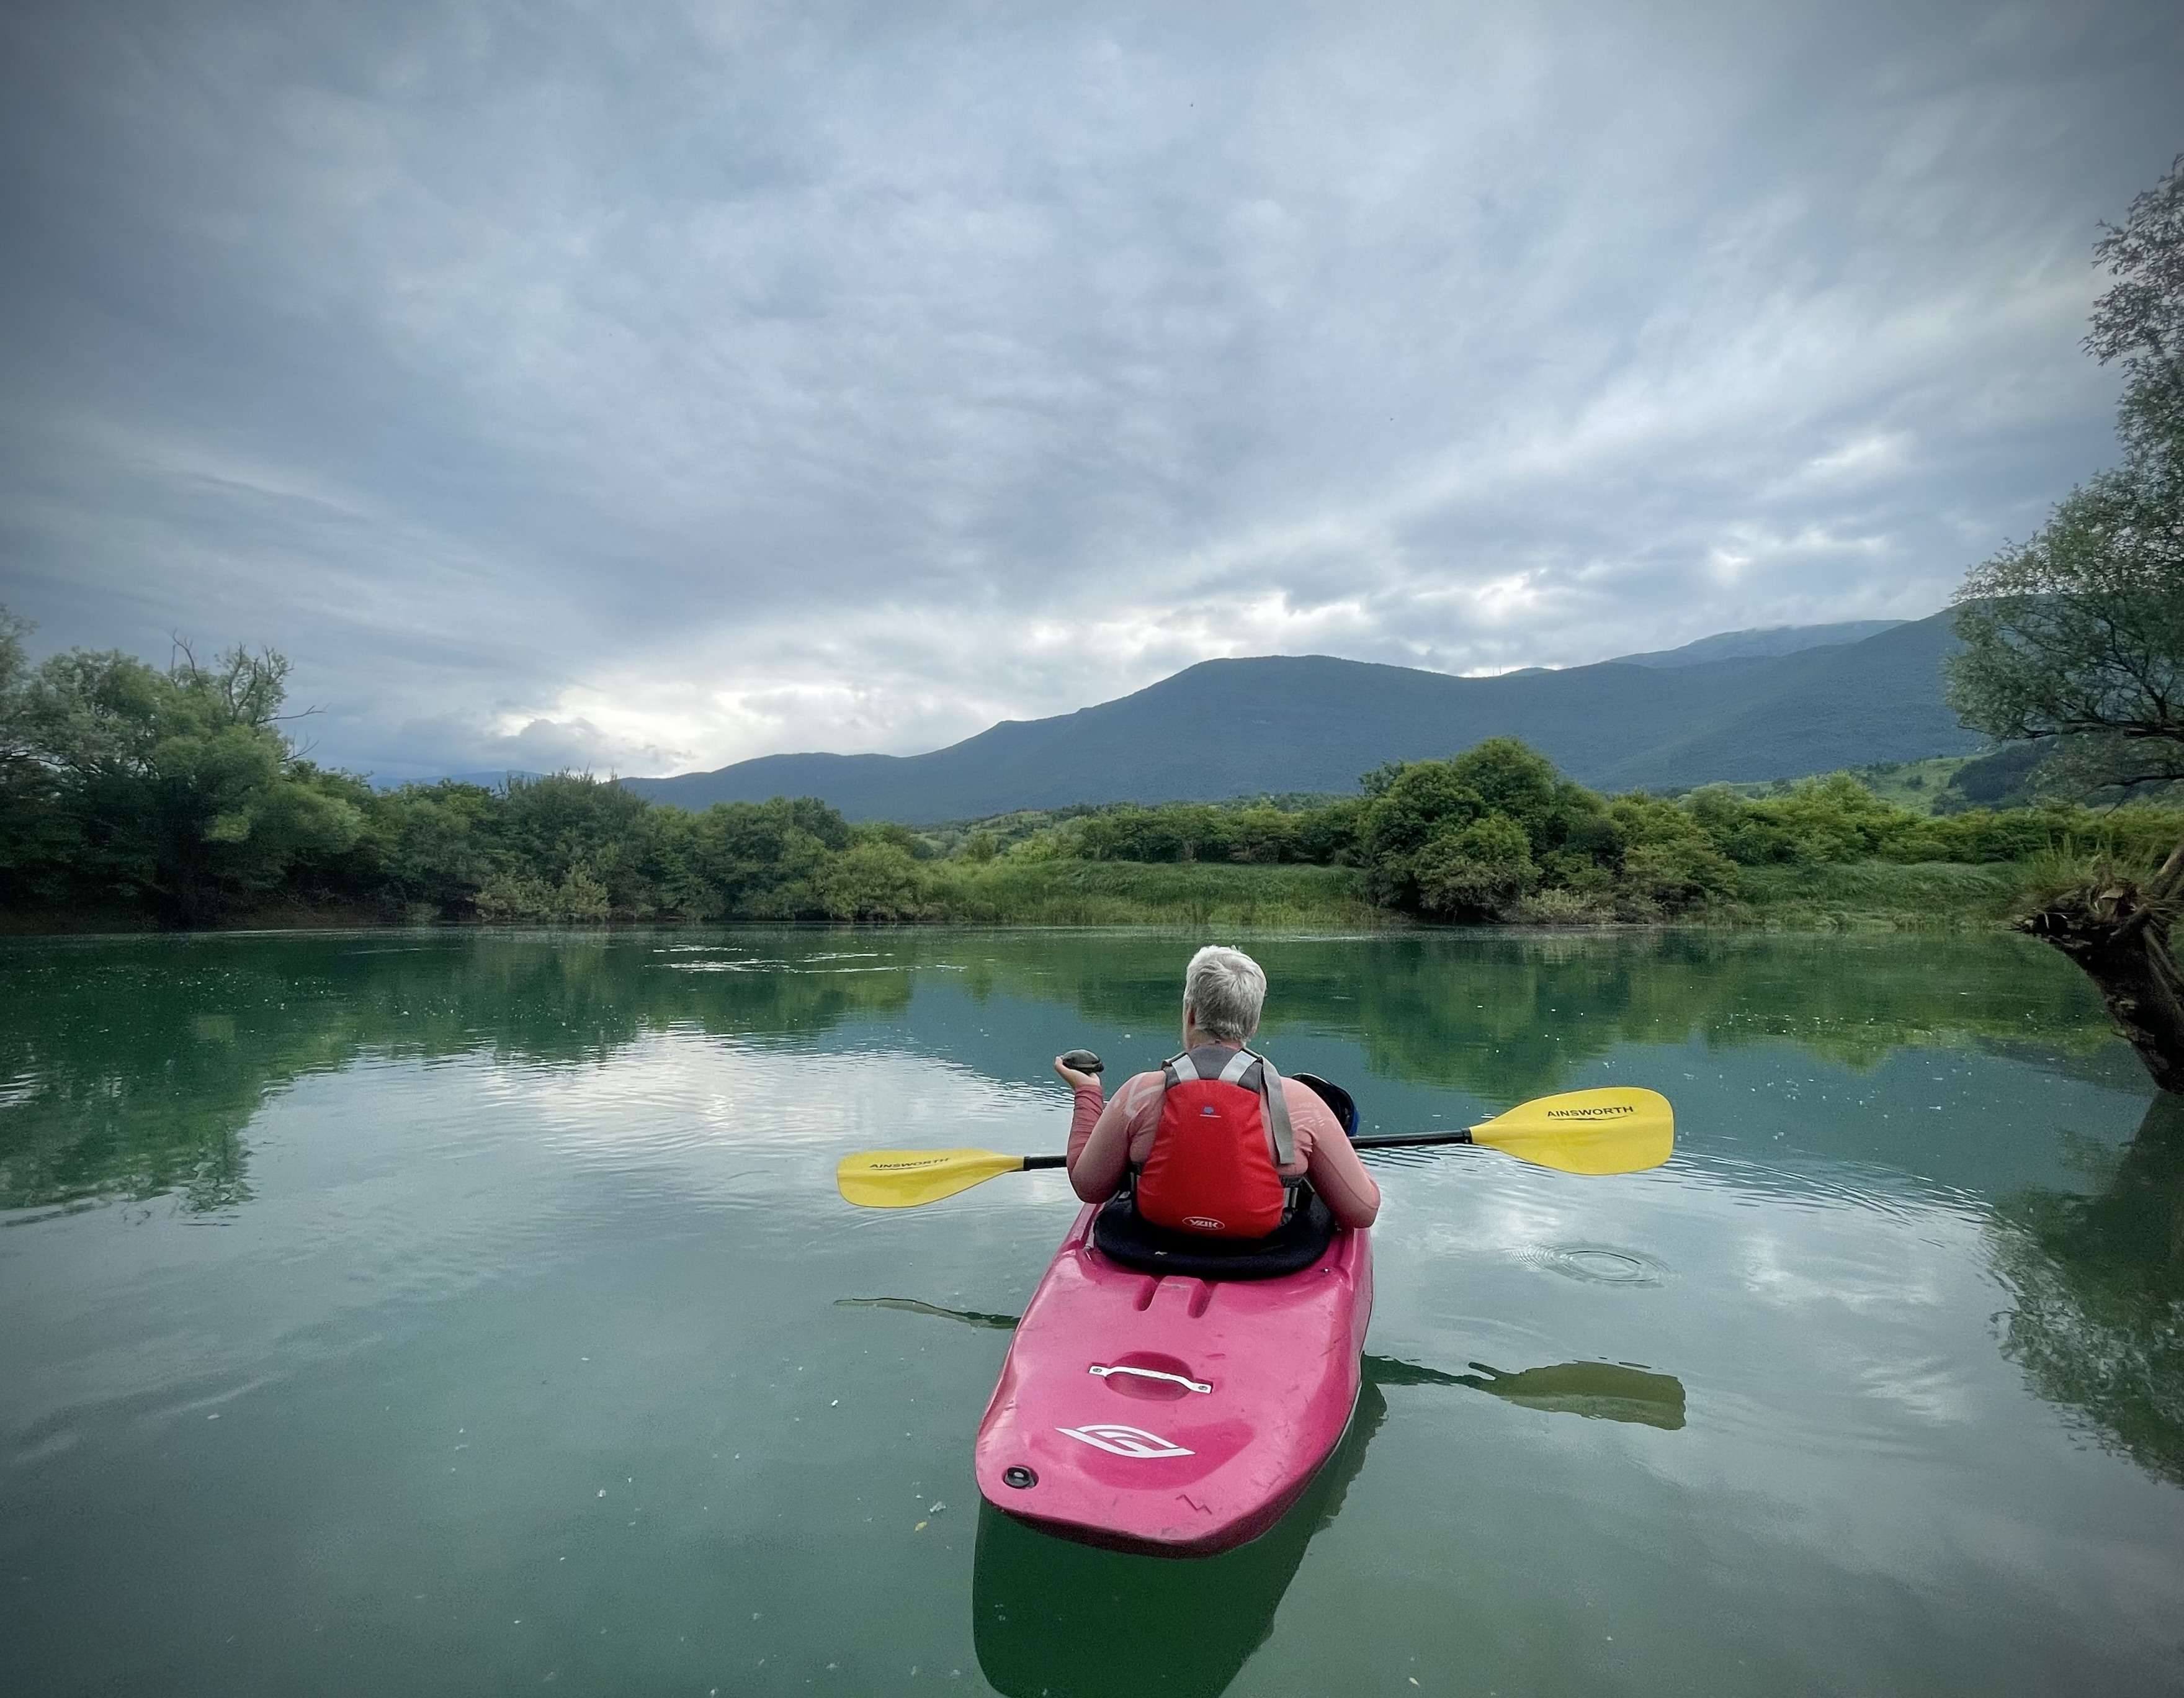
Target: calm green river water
407 1313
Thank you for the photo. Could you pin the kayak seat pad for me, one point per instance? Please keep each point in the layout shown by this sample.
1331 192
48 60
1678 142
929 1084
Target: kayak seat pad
1127 1238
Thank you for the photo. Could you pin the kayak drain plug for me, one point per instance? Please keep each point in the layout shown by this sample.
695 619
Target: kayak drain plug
1019 1477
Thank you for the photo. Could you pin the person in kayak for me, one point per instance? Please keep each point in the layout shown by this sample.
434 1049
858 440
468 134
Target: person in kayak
1205 1133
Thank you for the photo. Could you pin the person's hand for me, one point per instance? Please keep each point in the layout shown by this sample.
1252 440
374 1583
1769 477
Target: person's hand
1070 1077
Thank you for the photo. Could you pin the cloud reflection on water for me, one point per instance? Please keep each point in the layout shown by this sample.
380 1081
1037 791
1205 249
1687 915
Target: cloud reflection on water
462 1156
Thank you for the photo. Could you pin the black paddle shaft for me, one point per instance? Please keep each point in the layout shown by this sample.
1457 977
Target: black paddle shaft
1386 1140
1404 1141
1085 1061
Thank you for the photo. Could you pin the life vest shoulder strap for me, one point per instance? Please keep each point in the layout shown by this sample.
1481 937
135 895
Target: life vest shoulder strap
1277 1111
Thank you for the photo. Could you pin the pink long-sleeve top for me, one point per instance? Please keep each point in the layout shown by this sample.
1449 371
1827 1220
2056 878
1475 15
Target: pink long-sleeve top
1106 1138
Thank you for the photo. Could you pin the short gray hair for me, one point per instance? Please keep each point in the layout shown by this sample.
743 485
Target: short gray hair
1224 988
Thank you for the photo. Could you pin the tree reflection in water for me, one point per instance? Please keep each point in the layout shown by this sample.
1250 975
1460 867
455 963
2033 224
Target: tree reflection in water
131 1067
2098 1324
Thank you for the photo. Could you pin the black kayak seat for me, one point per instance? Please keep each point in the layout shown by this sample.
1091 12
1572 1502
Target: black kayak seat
1127 1239
1338 1100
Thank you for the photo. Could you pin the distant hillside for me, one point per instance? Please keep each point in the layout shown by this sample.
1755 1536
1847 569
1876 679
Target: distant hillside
1311 723
1765 640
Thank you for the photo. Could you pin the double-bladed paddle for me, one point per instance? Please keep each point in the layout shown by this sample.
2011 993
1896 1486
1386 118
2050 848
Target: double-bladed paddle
1614 1129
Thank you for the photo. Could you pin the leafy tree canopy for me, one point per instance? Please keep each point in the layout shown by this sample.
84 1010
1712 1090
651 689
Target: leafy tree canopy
2078 634
2140 321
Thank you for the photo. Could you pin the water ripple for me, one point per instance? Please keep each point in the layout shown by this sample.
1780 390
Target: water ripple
1599 1264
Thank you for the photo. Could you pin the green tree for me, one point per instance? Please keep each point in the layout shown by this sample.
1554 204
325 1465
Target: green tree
1511 779
1420 802
1476 870
763 858
1668 861
179 788
2078 634
2140 320
37 837
430 847
1478 836
875 878
1328 836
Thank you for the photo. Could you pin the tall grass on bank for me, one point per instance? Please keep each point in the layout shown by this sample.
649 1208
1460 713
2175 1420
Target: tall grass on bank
1894 895
1939 897
1193 894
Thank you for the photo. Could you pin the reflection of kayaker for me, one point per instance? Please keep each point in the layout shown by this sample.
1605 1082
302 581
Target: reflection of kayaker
1216 1143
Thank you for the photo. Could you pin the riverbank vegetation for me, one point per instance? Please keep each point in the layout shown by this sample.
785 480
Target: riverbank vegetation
131 795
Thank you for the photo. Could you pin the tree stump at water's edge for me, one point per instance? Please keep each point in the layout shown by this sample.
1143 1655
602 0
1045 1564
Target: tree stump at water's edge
2117 932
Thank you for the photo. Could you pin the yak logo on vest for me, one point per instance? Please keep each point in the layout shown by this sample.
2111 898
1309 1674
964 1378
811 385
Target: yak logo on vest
1205 1223
1118 1440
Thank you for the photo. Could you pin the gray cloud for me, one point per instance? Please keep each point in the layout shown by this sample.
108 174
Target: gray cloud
655 385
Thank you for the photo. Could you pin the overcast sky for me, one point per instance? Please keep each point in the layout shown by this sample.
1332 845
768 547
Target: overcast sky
647 386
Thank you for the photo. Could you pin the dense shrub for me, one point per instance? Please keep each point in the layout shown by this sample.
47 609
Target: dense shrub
1257 834
1482 868
1496 833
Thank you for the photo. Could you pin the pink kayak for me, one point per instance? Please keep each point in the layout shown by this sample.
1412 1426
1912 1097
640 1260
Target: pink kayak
1172 1414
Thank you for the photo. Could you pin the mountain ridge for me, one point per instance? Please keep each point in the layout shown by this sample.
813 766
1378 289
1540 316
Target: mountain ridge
1761 640
1240 727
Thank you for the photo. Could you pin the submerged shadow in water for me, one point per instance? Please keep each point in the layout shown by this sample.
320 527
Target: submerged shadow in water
1599 1391
1055 1619
910 1305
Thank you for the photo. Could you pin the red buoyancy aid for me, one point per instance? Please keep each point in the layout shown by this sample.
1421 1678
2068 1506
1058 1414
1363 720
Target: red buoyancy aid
1210 1171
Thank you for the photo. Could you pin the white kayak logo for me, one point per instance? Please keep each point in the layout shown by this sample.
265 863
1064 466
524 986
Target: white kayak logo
1204 1223
1118 1440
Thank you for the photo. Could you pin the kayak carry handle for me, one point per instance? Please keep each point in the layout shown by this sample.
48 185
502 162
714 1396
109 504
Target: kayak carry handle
1186 1383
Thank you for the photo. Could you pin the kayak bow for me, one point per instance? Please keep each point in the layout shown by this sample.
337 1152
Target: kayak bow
1174 1417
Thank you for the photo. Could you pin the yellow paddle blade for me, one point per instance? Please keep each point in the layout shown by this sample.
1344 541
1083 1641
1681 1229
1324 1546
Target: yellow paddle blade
1616 1129
903 1179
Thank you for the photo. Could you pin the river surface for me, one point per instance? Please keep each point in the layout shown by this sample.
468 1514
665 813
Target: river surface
427 1312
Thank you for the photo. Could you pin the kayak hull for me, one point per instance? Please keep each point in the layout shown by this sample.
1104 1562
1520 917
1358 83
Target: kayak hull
1171 1416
